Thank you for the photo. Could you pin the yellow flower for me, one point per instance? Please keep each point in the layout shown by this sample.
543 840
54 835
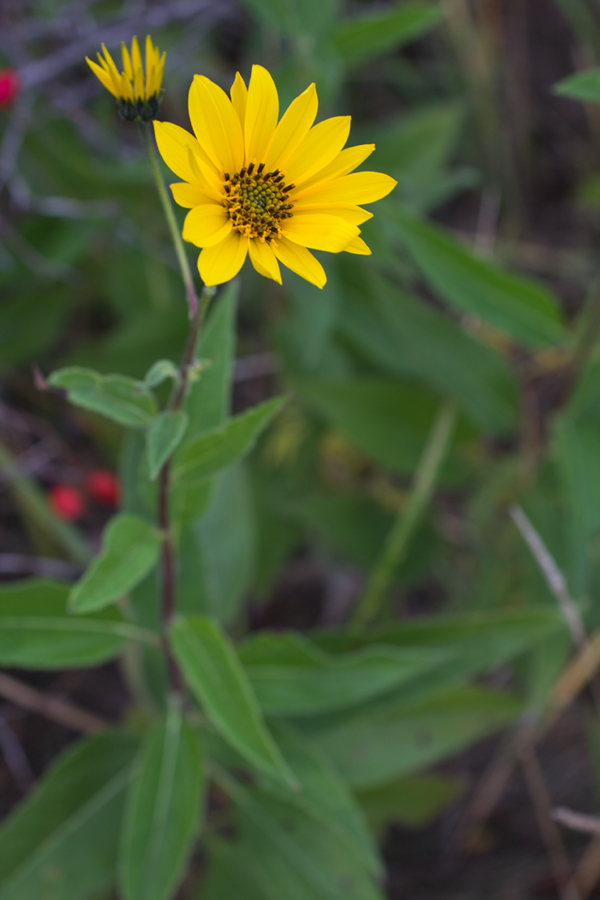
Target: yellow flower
138 98
271 190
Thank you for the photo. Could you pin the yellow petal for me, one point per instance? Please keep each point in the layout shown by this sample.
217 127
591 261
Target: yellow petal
239 97
301 261
102 76
353 214
138 87
127 68
161 68
358 246
293 128
125 90
175 145
320 146
206 225
320 232
110 66
344 162
216 125
356 188
264 261
149 52
262 111
136 56
189 195
223 262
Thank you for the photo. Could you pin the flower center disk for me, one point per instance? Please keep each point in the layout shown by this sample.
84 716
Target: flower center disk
257 202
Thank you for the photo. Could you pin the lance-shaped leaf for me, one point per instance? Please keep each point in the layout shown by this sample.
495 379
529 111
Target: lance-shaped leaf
583 86
117 397
164 435
515 305
163 811
62 841
130 548
218 448
215 675
37 632
372 34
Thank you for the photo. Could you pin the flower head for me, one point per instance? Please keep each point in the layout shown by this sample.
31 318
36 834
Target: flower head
9 86
272 189
137 97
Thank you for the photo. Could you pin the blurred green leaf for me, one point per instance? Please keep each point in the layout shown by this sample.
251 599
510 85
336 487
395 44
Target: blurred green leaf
163 437
117 397
216 678
515 305
289 850
130 548
387 420
162 815
212 451
584 86
207 403
324 794
407 338
413 801
28 326
37 632
292 677
62 841
218 549
376 746
374 33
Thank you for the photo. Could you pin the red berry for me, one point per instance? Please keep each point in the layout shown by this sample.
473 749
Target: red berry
66 501
9 86
103 487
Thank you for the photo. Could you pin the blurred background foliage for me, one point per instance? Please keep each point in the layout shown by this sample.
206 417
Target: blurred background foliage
482 290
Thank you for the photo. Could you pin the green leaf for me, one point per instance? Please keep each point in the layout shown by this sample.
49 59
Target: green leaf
61 843
130 549
515 305
291 677
325 796
207 402
215 675
117 397
163 437
413 801
291 851
214 450
386 419
217 551
372 34
407 338
376 746
36 631
163 811
160 371
584 86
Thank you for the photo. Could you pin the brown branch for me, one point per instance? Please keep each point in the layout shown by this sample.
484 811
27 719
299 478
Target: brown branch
49 706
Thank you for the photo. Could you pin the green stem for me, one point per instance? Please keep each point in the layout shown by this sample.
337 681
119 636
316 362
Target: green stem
167 206
35 506
401 532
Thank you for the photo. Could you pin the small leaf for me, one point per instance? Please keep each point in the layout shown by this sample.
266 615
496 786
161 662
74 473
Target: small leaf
117 397
584 86
62 841
164 435
163 811
130 548
214 450
216 678
160 371
36 632
370 35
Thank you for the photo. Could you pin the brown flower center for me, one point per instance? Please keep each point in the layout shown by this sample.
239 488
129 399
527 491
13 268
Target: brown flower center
257 202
